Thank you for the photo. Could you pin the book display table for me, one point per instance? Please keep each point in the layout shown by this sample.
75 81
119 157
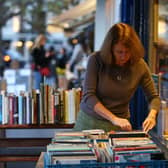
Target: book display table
55 157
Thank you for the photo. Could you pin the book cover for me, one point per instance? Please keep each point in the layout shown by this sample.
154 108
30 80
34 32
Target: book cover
72 153
67 147
73 159
132 142
120 134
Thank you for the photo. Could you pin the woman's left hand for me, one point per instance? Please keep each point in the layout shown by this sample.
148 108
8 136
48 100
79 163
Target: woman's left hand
149 123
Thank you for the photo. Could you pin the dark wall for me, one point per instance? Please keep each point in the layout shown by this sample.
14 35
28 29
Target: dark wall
136 13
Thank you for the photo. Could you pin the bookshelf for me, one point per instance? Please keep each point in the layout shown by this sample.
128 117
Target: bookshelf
24 143
28 121
33 126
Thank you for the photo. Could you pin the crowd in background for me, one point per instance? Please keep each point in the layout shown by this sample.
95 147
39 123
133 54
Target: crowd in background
63 67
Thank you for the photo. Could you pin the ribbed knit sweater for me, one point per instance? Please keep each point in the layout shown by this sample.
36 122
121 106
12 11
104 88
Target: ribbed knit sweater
114 86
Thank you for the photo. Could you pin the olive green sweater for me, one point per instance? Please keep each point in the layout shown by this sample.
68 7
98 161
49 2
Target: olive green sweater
114 86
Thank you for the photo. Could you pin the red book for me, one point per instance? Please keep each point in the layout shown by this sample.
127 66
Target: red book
11 108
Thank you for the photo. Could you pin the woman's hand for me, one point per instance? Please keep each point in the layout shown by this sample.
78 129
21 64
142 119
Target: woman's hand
149 123
123 123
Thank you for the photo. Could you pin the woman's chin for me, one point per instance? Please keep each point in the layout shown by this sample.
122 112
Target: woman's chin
121 64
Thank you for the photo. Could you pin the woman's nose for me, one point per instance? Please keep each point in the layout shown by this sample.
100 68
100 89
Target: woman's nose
123 55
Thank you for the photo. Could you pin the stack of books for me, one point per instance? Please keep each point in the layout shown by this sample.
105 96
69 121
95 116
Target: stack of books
133 146
71 148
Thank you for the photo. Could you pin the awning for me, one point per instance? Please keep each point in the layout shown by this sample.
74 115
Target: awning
84 8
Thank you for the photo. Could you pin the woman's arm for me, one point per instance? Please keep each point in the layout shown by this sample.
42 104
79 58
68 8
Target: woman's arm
105 113
153 98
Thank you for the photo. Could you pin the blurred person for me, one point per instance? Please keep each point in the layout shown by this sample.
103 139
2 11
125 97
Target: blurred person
62 58
41 60
61 61
77 63
113 74
78 53
53 78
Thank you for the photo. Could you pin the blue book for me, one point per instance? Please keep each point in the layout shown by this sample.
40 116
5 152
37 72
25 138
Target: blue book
20 108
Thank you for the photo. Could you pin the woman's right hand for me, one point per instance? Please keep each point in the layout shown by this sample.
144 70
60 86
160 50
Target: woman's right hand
123 123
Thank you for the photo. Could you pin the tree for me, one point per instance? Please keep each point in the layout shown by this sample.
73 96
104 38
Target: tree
32 13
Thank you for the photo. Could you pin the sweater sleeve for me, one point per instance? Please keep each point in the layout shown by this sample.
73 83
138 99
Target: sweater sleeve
150 89
90 82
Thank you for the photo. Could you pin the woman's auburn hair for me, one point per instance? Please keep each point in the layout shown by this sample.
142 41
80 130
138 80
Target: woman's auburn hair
125 34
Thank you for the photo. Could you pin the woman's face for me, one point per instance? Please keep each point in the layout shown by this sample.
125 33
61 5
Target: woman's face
121 54
43 41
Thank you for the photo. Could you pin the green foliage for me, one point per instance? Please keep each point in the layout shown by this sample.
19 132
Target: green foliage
32 12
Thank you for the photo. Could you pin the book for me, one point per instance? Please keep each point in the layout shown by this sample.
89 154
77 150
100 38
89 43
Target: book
50 105
70 133
73 153
103 152
120 134
15 115
67 147
57 110
70 140
133 142
20 107
73 159
11 108
132 152
93 131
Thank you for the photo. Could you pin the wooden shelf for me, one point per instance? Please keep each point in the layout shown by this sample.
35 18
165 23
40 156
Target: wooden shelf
24 142
19 159
27 149
36 126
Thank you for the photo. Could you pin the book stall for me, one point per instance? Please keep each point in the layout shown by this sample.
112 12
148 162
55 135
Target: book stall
95 148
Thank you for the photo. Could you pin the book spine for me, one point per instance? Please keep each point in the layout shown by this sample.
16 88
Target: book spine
15 115
11 109
57 115
20 104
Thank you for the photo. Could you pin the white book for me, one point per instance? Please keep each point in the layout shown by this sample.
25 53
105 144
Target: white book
161 120
71 98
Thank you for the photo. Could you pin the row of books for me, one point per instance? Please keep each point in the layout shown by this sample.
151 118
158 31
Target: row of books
78 148
45 106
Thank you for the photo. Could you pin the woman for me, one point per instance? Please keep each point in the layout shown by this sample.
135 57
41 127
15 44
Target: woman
41 60
113 75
